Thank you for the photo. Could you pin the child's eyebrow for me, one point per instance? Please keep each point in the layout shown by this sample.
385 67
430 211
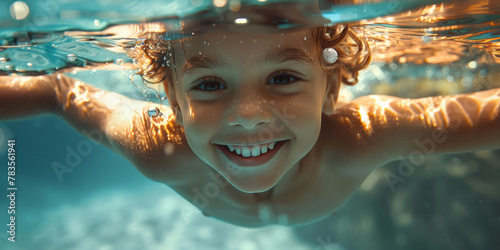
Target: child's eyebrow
287 54
274 57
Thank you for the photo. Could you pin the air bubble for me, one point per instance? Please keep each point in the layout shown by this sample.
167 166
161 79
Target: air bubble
466 82
472 64
265 212
483 73
29 64
118 61
19 10
71 57
241 20
3 59
426 39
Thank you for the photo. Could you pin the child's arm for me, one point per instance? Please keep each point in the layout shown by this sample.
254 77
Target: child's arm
23 96
109 118
397 127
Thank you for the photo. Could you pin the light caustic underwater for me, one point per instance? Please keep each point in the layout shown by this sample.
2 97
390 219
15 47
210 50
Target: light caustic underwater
420 48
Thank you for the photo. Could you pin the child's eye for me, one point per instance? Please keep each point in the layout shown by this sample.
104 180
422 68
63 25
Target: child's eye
283 78
209 84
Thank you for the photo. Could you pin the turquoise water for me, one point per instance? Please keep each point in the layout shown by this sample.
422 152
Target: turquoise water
450 202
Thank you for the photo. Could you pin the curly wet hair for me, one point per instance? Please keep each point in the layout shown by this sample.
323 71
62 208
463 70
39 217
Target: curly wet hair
155 59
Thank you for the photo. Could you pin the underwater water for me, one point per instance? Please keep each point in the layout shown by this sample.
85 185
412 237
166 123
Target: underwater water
421 48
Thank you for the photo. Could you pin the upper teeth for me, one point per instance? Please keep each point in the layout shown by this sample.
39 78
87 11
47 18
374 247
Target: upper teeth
252 151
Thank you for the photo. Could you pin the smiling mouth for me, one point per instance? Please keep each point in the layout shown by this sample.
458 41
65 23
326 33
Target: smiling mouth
253 155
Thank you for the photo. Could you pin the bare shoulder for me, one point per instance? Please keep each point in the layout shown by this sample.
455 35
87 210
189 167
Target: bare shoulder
362 132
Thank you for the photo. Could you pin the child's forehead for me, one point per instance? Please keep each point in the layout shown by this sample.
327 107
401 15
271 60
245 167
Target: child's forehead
239 40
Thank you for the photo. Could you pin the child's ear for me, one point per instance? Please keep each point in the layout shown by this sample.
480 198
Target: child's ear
332 94
172 100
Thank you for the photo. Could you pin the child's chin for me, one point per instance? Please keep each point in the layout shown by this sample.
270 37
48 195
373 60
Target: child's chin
254 190
248 186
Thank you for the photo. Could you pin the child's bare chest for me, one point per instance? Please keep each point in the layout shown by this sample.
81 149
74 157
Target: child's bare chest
315 193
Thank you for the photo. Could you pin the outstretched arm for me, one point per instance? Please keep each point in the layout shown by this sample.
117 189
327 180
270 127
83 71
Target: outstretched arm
22 96
109 118
432 125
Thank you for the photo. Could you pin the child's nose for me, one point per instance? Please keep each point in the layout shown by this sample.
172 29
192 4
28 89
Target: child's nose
249 112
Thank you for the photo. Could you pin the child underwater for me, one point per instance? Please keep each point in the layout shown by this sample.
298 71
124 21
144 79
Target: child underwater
254 133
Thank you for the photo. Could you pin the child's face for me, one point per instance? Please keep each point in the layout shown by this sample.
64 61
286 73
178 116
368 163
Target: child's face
243 91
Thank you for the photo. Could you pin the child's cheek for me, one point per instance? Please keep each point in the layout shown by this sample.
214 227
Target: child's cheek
202 120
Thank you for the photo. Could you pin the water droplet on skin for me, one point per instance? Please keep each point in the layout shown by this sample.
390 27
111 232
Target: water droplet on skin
169 149
153 112
71 57
118 61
